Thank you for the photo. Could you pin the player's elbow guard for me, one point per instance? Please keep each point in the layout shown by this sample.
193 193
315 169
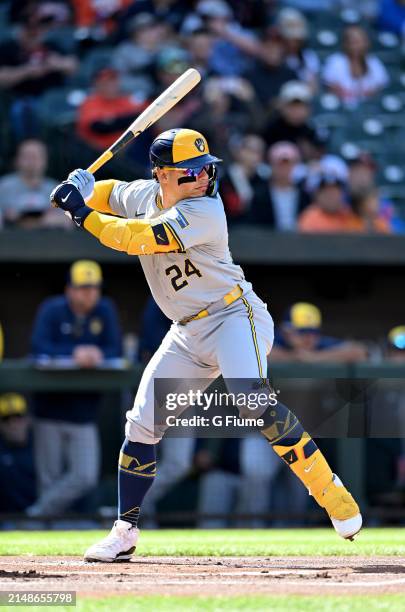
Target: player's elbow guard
135 237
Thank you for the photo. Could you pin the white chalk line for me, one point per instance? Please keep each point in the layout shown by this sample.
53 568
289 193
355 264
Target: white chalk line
178 582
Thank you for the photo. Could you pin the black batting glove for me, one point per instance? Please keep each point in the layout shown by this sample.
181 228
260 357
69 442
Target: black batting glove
67 197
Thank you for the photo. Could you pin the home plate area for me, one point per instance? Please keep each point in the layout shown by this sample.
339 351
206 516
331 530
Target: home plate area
207 575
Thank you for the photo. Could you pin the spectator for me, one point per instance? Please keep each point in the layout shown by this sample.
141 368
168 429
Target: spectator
79 329
328 212
326 164
200 45
303 61
278 202
171 12
134 58
170 64
96 21
243 177
16 454
292 119
362 177
270 73
24 194
366 209
29 66
355 75
232 46
391 16
107 112
300 338
229 110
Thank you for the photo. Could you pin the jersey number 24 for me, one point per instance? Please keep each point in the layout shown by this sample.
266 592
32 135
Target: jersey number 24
177 279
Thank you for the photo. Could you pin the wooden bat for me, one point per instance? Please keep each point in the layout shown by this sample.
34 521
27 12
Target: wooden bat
159 107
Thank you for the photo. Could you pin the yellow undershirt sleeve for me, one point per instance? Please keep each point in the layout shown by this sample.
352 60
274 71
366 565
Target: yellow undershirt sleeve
101 195
133 236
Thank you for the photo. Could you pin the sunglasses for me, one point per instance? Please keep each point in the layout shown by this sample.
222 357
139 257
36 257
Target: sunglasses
192 171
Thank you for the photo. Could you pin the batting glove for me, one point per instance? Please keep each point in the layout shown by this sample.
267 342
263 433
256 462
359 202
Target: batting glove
67 197
84 181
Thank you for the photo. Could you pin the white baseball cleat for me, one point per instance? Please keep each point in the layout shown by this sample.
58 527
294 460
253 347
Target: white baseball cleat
119 545
342 509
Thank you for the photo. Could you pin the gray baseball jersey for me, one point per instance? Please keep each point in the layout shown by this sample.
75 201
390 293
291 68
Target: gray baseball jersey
185 282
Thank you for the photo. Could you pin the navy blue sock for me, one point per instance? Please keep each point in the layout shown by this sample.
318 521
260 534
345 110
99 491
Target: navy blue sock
136 472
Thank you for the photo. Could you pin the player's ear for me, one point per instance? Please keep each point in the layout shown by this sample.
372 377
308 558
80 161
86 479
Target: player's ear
162 175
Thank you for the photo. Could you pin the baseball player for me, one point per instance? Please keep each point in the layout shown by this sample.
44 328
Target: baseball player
176 224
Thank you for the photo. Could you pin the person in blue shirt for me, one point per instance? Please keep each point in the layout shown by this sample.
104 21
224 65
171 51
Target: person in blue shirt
300 338
79 329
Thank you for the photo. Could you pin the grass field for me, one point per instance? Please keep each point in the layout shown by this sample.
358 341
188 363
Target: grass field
372 546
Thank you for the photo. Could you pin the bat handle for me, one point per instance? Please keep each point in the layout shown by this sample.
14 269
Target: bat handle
100 161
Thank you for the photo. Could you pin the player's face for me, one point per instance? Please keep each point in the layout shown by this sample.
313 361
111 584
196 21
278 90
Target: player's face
169 179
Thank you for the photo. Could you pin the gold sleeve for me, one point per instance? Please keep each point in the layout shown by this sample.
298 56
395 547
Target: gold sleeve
133 236
101 195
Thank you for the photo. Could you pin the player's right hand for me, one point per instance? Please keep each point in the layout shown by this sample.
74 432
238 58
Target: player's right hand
84 181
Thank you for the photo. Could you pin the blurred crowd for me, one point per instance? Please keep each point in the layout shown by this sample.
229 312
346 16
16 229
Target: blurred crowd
299 98
49 441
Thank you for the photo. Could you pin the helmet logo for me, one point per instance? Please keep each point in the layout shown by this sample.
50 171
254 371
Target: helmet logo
200 144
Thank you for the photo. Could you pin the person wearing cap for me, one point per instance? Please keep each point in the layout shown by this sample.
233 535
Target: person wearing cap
233 46
300 338
81 330
134 57
329 212
16 455
293 28
291 121
279 203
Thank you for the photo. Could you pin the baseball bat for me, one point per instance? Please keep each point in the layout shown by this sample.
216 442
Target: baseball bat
159 107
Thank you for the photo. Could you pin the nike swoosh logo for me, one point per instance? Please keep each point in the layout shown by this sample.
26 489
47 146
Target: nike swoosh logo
160 237
63 200
308 469
139 214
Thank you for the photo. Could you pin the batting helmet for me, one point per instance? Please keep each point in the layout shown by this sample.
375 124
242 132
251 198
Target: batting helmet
181 148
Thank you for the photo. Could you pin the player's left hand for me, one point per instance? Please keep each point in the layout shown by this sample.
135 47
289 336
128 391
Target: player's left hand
67 197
